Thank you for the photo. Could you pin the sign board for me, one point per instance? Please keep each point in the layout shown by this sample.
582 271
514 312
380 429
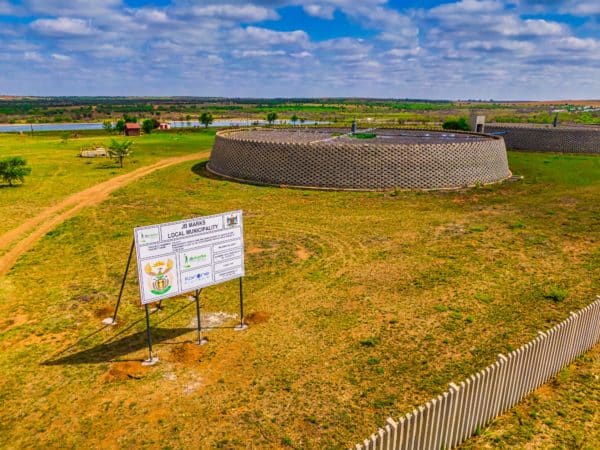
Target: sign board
178 257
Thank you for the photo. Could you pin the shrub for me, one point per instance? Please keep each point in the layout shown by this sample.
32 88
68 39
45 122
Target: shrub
456 124
14 169
556 294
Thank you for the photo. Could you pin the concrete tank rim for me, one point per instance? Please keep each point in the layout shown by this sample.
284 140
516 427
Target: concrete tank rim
225 134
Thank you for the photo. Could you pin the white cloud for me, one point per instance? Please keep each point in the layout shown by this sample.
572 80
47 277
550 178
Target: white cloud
322 11
79 8
33 56
257 53
154 16
488 48
303 54
241 13
403 52
215 59
467 7
256 35
62 26
111 51
61 58
8 9
583 8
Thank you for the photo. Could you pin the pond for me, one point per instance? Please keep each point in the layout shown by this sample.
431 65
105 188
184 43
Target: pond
25 128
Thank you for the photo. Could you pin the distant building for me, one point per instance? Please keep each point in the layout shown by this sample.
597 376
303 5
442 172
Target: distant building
132 129
164 126
477 123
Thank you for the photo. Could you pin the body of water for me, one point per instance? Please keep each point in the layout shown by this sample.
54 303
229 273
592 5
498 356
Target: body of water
26 128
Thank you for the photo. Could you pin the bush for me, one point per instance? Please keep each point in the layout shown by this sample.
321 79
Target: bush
456 124
14 169
556 294
149 124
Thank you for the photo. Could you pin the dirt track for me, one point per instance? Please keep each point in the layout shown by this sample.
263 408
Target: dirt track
29 232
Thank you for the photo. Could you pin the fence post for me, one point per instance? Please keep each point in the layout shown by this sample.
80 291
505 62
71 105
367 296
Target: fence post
401 433
460 399
424 425
392 429
503 361
452 411
417 418
444 415
408 431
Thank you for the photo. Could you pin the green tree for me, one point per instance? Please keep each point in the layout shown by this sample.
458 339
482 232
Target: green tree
120 149
206 119
14 169
107 126
120 126
456 124
147 126
271 117
294 119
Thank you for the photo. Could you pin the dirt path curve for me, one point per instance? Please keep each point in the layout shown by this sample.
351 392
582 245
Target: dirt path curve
29 232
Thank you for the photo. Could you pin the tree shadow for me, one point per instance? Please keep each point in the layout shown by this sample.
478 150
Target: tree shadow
107 165
109 351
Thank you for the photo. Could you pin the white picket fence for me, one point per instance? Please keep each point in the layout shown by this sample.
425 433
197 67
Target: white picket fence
451 418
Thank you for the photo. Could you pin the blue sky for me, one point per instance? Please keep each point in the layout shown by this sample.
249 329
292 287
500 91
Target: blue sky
500 49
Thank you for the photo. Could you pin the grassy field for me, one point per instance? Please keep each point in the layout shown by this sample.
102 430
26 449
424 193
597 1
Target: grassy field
361 306
58 172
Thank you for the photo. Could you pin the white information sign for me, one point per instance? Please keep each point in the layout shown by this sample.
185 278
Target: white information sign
178 257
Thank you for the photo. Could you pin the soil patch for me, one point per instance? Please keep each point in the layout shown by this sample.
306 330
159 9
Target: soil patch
126 370
187 353
257 317
104 311
212 319
302 253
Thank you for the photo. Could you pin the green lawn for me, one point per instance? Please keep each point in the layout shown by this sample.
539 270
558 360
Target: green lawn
362 305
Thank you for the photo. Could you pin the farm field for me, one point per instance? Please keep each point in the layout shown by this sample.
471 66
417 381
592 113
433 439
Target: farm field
360 305
430 113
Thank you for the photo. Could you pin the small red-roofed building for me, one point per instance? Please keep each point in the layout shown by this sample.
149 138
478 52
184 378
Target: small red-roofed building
132 129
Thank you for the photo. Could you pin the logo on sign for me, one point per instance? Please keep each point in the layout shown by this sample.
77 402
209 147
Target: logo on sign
148 236
232 220
192 260
196 278
160 281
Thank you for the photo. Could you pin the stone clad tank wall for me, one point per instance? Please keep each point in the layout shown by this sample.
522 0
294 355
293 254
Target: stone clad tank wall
359 166
546 138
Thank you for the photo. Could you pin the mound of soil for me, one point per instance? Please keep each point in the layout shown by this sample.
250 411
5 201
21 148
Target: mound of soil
104 311
256 317
187 353
126 370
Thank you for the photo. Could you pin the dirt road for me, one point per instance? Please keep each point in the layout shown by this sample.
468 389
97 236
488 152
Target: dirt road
29 232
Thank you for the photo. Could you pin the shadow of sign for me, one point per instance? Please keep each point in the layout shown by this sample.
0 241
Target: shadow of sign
110 351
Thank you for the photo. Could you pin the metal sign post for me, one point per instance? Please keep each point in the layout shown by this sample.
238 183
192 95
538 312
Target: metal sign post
113 320
201 340
241 326
151 358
